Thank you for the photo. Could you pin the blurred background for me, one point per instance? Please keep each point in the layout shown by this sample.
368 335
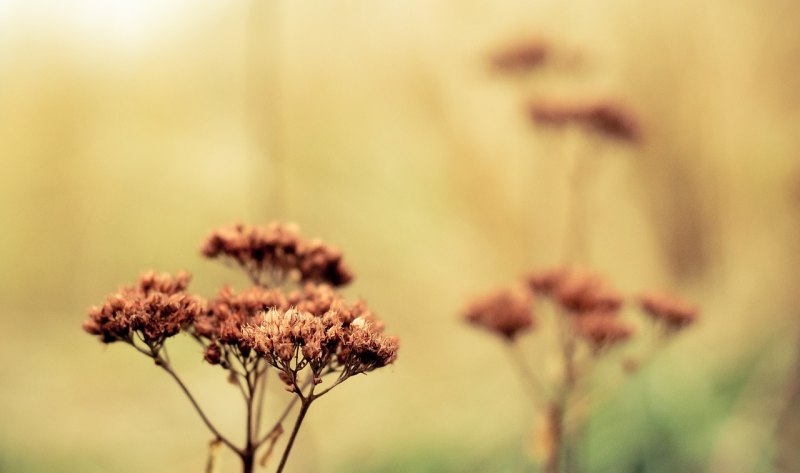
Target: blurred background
129 129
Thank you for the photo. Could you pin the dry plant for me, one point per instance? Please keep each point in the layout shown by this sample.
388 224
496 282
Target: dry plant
578 308
582 311
291 324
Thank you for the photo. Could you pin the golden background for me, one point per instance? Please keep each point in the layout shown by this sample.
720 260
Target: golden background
129 129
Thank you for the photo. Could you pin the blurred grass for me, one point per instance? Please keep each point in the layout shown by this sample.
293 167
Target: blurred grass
125 137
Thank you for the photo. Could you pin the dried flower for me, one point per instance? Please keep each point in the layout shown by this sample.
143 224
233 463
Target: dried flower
506 312
581 292
213 354
319 342
276 252
607 119
668 309
154 309
523 56
229 311
602 329
545 282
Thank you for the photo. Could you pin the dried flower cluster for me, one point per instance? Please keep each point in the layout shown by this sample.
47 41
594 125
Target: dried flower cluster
586 310
507 312
586 300
277 251
521 56
665 308
609 119
327 343
307 330
154 309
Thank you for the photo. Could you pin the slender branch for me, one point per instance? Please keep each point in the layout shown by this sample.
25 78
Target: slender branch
166 367
261 389
533 384
300 416
283 416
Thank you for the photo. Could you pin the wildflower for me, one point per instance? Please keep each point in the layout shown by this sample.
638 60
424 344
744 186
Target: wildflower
581 292
545 282
506 312
520 57
277 252
319 342
154 309
608 119
668 309
602 330
229 311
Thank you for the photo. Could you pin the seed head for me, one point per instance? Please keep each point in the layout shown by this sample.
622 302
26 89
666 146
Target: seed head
581 292
155 309
506 312
608 119
602 330
277 250
668 309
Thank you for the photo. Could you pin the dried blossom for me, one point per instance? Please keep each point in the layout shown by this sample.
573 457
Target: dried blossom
229 311
607 119
581 292
602 329
154 309
213 354
276 252
668 309
506 312
319 342
545 282
520 57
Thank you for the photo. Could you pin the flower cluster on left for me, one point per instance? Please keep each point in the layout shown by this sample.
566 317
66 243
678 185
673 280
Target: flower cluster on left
291 323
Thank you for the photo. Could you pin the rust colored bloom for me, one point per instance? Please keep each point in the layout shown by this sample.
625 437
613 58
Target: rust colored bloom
226 314
272 253
319 342
154 309
672 311
602 329
364 347
213 354
608 119
545 282
522 56
581 292
506 312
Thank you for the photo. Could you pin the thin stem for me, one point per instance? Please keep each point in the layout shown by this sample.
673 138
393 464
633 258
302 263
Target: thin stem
261 389
534 386
303 409
166 367
283 416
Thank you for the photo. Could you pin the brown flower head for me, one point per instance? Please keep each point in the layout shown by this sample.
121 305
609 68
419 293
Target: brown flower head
273 253
602 330
522 56
668 309
319 342
506 312
229 311
581 292
608 119
364 347
545 282
154 309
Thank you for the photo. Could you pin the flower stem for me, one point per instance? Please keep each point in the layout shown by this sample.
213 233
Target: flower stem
166 367
303 409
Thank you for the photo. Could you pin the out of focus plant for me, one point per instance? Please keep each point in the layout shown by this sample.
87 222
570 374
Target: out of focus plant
578 308
291 324
581 310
